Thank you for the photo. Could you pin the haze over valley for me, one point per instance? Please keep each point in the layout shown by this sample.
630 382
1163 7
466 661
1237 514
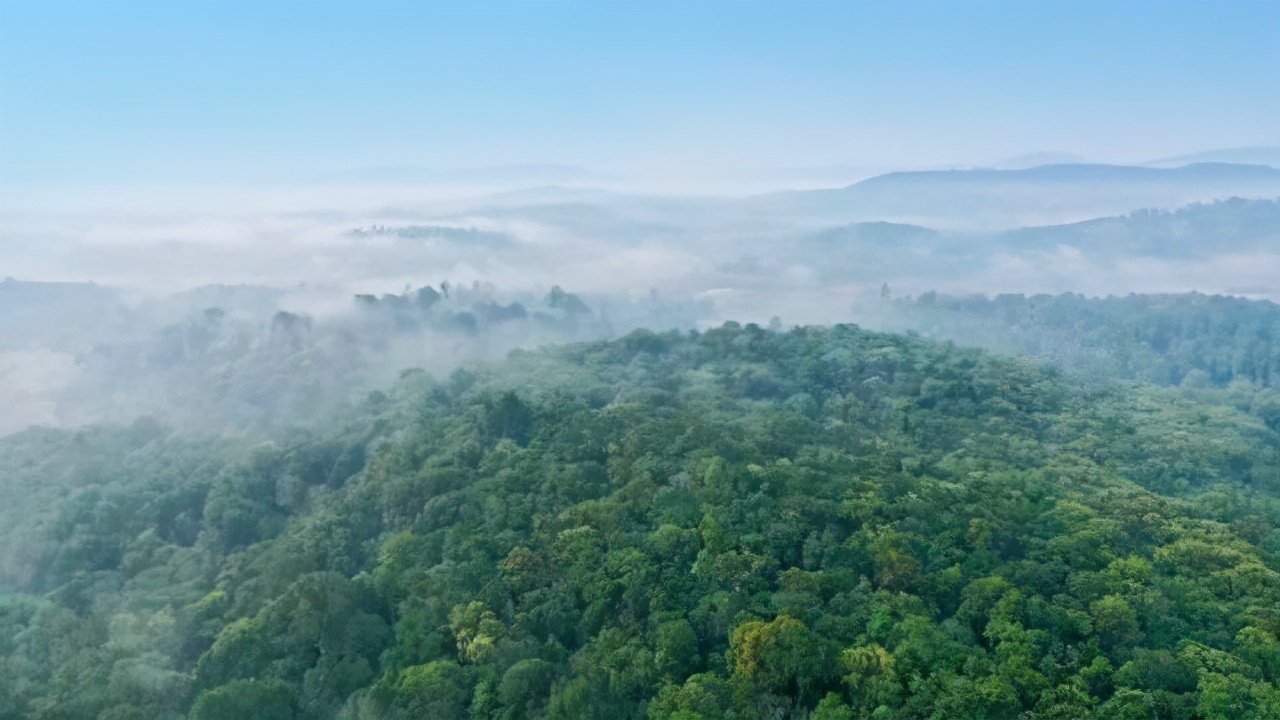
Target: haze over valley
561 360
96 300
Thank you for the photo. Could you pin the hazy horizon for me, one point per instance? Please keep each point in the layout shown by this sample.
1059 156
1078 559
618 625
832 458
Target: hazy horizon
639 359
198 93
674 164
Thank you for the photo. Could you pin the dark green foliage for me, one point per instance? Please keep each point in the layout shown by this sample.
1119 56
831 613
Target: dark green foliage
825 524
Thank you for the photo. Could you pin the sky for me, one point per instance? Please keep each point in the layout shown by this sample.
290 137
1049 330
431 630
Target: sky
184 91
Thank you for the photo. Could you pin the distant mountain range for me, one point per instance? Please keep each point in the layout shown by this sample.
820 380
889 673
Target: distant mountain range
1236 225
1198 173
990 199
1247 156
1238 237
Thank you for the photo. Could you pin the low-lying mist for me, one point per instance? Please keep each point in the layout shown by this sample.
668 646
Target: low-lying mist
225 312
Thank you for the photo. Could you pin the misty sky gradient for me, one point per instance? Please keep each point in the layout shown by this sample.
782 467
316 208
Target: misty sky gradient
103 92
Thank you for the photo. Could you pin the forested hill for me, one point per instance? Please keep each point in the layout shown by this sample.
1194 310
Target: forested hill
823 523
1195 231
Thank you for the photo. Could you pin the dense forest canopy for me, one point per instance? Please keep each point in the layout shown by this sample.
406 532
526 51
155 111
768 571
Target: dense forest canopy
463 501
736 523
369 360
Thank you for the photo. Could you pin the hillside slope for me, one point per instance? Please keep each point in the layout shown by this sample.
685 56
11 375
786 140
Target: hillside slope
826 523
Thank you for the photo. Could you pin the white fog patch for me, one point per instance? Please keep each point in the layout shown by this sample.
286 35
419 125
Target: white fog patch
1068 269
31 386
658 261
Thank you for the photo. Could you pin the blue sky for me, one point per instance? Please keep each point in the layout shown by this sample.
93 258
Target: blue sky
106 91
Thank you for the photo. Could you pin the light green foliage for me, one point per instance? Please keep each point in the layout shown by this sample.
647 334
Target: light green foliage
780 657
245 700
477 631
435 691
832 707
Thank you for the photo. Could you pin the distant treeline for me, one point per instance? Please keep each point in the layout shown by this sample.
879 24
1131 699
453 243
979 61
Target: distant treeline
429 308
1165 339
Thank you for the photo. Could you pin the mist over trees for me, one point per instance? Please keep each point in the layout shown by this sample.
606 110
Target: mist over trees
1189 339
729 523
634 360
568 453
243 364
